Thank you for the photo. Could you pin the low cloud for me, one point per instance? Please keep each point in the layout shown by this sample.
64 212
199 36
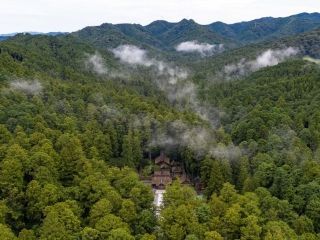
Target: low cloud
273 57
172 80
221 151
204 49
132 55
168 77
174 83
96 63
266 59
199 139
29 87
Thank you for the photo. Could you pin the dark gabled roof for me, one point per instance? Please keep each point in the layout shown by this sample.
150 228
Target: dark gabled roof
161 180
162 159
162 173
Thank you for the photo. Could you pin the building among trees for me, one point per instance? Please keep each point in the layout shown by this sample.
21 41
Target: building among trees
166 171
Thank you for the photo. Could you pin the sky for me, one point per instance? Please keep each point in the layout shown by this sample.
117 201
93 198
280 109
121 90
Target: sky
72 15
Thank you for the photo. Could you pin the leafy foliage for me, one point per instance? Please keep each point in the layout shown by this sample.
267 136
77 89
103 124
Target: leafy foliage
70 149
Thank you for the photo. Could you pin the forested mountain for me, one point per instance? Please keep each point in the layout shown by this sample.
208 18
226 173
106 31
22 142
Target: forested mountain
187 30
160 34
307 44
267 28
6 36
3 38
83 115
165 35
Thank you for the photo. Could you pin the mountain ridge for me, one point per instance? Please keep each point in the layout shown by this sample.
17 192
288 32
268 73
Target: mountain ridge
164 35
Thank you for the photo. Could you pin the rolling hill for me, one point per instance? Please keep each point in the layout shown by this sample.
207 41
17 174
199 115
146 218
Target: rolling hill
267 28
164 35
82 117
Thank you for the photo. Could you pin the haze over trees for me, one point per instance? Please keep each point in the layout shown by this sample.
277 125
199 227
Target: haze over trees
79 124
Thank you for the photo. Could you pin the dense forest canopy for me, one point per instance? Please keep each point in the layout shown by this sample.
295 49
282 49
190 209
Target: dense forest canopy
82 115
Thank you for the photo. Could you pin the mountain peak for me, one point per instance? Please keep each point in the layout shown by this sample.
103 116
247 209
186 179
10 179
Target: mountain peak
187 21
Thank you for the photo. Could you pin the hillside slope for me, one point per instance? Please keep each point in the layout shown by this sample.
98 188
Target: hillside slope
267 28
80 125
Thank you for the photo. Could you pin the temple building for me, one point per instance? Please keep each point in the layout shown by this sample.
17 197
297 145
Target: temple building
166 171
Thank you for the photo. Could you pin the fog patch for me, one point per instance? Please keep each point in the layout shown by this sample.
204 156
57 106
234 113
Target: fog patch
204 49
132 55
200 139
266 59
96 63
313 60
135 56
29 87
171 80
221 151
273 57
110 112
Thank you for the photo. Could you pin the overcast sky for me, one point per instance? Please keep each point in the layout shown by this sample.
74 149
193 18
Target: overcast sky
71 15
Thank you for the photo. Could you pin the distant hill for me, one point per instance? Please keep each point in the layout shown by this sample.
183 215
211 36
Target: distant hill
8 35
187 30
3 38
267 28
109 35
163 35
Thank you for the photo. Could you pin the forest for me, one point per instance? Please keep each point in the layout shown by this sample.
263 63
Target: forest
81 121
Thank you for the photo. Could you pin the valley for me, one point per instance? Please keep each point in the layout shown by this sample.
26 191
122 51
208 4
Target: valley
166 131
